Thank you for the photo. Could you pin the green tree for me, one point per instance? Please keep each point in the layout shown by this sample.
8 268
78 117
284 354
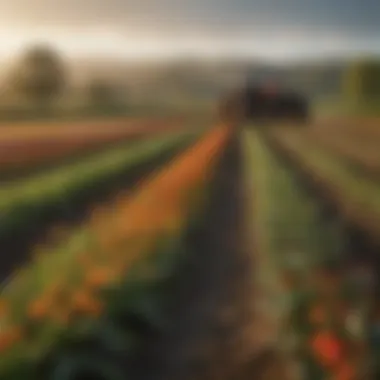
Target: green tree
361 81
40 74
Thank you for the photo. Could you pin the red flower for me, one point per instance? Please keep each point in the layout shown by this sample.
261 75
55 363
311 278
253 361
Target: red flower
327 348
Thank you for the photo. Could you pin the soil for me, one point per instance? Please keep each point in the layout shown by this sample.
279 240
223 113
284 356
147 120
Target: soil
213 331
31 169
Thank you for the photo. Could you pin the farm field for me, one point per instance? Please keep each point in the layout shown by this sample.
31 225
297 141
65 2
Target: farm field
27 147
343 206
353 127
354 196
30 207
348 146
105 233
60 129
217 253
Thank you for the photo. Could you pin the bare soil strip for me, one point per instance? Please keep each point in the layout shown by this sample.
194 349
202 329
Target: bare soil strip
211 319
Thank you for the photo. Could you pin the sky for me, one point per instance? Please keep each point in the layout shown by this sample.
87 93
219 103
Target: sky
128 29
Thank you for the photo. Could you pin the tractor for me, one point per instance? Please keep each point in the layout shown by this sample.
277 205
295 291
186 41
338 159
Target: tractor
264 103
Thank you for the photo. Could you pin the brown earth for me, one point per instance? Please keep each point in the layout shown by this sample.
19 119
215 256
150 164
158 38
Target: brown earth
214 332
23 151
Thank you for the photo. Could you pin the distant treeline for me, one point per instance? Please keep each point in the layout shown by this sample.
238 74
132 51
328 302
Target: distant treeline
40 83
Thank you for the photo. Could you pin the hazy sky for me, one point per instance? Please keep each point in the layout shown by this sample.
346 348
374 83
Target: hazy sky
278 29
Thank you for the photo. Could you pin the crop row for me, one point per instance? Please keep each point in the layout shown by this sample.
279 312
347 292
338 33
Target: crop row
111 267
364 156
27 206
268 295
323 307
354 198
23 152
363 130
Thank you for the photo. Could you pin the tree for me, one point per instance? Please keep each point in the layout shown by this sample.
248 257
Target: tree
361 81
40 74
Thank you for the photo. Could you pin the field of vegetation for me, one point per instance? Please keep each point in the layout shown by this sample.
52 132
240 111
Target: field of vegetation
328 243
133 248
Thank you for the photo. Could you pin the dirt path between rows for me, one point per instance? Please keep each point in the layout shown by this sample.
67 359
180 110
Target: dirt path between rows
213 332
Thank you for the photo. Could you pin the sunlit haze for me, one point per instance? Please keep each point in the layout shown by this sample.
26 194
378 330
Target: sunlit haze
277 30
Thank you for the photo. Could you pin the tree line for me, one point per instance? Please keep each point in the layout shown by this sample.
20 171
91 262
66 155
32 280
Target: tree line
41 76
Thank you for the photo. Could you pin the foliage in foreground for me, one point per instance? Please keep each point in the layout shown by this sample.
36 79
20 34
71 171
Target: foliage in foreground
323 304
96 292
34 199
